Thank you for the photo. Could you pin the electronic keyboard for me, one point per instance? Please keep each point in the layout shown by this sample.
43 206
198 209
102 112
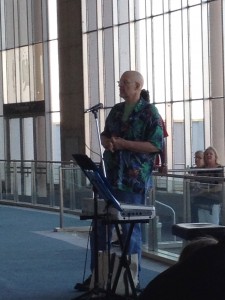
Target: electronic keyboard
129 211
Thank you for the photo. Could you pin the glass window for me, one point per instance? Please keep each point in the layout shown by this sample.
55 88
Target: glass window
11 77
197 125
52 19
158 60
40 138
55 129
23 25
93 69
31 72
195 48
108 67
141 48
54 75
38 72
9 24
140 9
91 14
185 40
123 11
2 144
205 50
198 140
28 138
149 42
177 46
157 7
175 4
178 136
37 21
107 13
194 2
14 129
216 51
167 62
124 48
4 76
3 25
24 75
176 56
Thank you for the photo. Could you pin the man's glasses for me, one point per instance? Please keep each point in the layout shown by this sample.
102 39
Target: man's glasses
125 82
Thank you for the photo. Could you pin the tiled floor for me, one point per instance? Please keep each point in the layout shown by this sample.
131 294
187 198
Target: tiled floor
39 262
79 236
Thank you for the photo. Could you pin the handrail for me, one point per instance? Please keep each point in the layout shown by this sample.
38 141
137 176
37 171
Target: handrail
61 186
173 213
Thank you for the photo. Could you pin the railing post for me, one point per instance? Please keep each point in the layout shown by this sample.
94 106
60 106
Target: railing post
51 183
61 197
15 182
71 172
33 183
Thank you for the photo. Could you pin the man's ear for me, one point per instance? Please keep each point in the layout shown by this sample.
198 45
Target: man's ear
137 85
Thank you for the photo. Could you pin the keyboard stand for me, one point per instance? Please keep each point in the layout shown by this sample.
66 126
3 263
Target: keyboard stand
124 246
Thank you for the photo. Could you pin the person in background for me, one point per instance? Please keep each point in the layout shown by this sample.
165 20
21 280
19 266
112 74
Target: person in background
209 210
196 244
194 184
199 159
198 275
208 200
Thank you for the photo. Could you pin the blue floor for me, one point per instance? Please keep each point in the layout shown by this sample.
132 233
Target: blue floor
34 264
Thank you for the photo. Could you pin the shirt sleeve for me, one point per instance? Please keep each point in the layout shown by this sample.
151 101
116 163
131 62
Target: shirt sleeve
155 129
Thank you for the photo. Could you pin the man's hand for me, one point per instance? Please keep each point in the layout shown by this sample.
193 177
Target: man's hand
107 143
118 143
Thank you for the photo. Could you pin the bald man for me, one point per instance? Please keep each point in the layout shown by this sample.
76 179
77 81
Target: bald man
132 137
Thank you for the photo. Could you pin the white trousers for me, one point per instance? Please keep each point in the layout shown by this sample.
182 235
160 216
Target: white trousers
206 216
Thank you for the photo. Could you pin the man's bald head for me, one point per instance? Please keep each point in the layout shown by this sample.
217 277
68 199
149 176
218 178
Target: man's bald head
135 76
130 85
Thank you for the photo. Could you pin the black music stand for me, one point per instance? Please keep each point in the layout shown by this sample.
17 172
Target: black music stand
101 188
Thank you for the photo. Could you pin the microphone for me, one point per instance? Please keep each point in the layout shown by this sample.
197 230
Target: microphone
95 107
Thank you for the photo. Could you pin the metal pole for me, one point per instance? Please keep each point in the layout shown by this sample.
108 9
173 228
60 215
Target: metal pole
61 197
99 140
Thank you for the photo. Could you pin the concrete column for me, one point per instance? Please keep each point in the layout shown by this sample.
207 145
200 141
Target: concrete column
71 78
217 79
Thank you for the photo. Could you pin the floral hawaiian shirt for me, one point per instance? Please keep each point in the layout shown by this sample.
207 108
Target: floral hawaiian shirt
127 170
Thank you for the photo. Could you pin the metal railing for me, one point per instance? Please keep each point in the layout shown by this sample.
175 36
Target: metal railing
62 186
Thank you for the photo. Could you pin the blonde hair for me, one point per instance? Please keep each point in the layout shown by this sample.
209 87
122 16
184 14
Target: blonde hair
210 148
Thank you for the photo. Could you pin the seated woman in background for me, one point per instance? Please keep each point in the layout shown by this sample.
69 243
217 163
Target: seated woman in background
199 159
195 185
207 202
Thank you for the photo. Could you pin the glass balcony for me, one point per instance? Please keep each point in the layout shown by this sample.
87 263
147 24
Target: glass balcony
64 188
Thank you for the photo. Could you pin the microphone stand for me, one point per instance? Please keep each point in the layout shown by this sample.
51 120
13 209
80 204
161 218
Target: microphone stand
95 113
95 221
96 282
96 291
